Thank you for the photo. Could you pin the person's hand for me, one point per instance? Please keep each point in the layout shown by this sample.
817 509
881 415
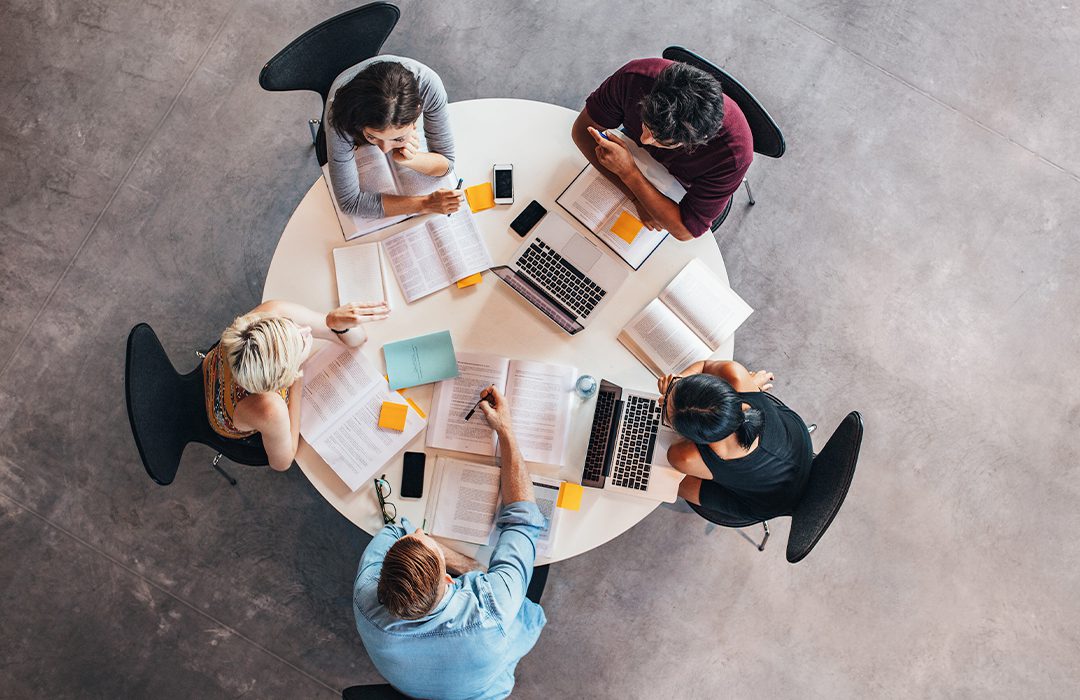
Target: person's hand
646 218
496 409
408 151
663 384
613 154
353 314
762 379
443 201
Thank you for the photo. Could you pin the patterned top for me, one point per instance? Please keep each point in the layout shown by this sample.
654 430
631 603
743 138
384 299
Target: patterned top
223 394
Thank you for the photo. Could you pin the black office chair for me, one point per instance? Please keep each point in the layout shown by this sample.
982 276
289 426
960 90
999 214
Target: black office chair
768 139
383 691
826 488
167 410
316 57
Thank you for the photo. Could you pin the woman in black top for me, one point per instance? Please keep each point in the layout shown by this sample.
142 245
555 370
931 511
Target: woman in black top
746 455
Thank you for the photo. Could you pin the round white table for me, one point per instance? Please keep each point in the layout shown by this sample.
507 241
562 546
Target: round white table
490 317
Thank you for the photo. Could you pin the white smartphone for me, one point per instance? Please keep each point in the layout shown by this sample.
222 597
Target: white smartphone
502 176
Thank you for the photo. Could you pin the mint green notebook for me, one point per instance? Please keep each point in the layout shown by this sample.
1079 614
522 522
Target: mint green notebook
422 360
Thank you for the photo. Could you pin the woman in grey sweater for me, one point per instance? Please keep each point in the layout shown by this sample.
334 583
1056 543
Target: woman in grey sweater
398 106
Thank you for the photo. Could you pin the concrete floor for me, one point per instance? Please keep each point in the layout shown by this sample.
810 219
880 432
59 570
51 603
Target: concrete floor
913 256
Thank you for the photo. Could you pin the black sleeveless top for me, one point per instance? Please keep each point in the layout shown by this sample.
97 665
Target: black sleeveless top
769 481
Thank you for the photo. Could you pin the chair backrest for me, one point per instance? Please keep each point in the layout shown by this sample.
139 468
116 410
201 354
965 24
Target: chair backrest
830 477
316 57
158 404
768 139
167 410
384 691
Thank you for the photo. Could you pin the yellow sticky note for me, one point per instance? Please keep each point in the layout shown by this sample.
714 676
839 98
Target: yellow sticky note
480 196
626 227
569 496
470 280
392 416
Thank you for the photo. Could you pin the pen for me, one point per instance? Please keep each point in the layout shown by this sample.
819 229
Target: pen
470 413
459 181
473 410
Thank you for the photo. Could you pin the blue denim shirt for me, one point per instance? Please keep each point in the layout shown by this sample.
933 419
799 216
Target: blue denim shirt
470 643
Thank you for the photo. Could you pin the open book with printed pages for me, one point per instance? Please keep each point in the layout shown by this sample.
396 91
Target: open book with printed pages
339 417
436 253
688 322
540 397
379 176
604 209
466 502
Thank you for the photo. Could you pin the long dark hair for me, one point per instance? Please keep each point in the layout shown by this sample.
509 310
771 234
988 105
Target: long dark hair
705 409
385 94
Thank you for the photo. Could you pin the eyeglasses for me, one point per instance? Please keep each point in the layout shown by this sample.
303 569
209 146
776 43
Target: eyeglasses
664 421
382 490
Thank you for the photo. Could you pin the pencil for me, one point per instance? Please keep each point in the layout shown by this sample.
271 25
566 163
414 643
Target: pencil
459 181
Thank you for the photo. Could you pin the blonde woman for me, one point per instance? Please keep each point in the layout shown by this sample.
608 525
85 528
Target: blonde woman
254 378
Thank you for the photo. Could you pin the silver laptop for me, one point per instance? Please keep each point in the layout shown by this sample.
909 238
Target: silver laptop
562 273
628 446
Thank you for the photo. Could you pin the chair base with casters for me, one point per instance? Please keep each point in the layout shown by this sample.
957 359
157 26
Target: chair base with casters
727 209
826 488
167 410
718 519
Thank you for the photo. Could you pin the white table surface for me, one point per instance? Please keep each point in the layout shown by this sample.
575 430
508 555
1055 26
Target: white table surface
490 317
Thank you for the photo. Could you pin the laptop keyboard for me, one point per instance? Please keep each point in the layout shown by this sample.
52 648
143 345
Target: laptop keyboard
641 422
561 279
594 457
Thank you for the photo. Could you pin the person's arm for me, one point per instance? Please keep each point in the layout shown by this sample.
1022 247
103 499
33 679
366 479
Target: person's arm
349 318
277 422
381 543
585 142
616 158
515 481
442 201
730 371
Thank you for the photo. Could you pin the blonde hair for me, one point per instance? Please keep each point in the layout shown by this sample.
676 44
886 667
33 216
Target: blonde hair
264 352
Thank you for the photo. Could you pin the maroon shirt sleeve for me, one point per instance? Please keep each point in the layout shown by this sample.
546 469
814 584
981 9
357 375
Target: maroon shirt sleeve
703 203
606 104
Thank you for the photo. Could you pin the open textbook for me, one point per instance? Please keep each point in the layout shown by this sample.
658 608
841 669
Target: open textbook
436 253
358 269
694 314
467 501
598 204
381 175
540 397
343 394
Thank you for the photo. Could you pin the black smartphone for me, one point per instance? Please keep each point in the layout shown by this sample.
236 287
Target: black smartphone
528 218
412 475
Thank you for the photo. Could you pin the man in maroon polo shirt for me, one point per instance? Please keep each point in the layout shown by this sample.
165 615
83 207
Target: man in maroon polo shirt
681 117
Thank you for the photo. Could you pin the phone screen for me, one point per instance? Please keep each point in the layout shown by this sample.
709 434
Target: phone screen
504 183
412 475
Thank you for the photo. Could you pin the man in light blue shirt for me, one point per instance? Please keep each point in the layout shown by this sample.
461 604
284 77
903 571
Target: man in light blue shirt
435 636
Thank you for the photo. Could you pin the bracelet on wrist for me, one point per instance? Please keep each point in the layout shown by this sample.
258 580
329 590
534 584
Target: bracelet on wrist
337 332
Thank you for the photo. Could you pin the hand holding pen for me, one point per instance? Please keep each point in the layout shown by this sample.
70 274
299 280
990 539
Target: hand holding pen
457 191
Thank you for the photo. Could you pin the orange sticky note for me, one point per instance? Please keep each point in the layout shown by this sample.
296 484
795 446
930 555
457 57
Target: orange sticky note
480 197
470 280
569 496
392 416
626 227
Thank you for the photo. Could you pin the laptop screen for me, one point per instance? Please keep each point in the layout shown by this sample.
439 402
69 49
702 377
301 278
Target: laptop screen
539 299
